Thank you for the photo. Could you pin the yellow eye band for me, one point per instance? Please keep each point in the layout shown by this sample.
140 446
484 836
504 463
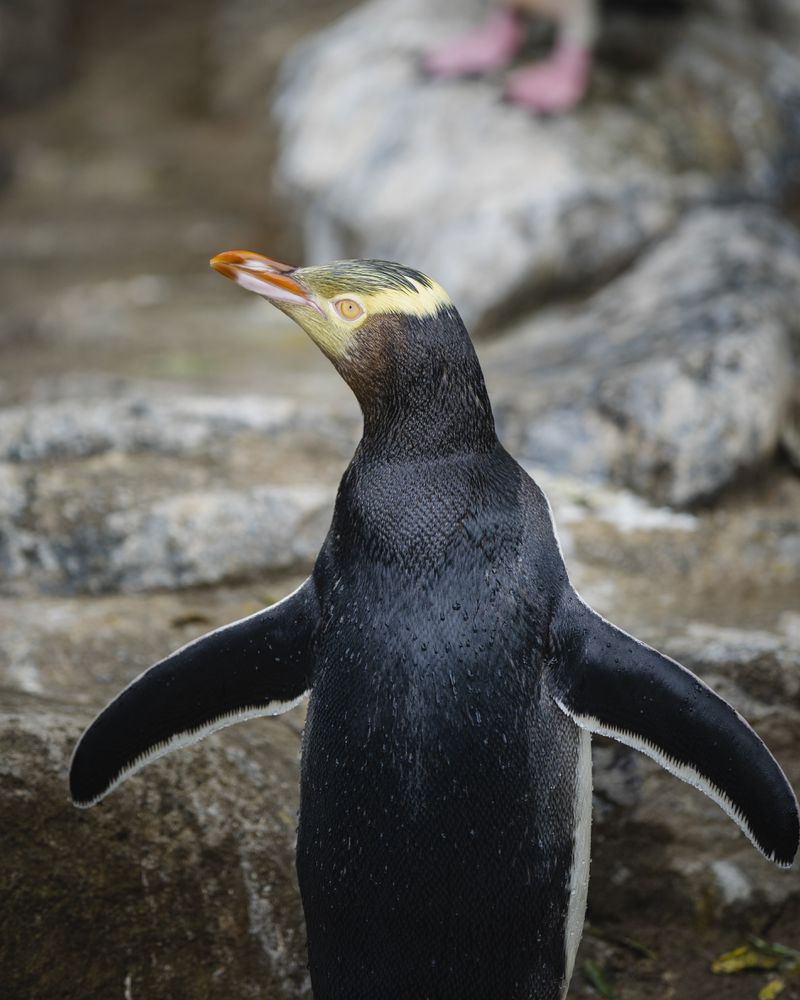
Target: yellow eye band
349 309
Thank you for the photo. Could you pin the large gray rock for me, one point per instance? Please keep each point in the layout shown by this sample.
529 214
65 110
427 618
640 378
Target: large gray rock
502 208
151 490
188 540
149 421
182 540
181 886
677 376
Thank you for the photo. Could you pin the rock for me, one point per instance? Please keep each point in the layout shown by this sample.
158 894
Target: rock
152 490
15 542
148 422
675 378
790 438
12 492
690 425
200 539
182 540
33 48
181 885
503 209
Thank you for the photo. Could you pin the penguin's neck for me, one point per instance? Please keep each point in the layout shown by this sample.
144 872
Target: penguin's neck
430 400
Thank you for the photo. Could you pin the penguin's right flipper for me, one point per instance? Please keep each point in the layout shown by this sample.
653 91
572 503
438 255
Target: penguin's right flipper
256 666
614 685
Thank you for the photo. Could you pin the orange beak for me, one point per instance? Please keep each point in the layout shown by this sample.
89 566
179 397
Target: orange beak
263 276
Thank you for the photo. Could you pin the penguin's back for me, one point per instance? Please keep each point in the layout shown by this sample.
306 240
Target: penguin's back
438 778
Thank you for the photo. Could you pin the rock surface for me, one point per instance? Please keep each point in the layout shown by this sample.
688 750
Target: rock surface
678 375
675 377
503 209
177 890
145 490
33 48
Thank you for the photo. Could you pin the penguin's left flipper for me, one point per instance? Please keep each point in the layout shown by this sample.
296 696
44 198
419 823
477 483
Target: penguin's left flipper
614 685
257 666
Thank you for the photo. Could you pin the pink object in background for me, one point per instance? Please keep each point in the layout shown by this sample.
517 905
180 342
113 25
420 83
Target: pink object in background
555 85
485 49
552 86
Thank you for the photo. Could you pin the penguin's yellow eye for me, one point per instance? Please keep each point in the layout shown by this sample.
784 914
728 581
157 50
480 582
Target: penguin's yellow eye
349 309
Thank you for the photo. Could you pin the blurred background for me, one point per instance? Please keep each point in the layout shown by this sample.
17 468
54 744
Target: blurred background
170 447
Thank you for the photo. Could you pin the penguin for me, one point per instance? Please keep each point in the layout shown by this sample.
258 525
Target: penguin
454 676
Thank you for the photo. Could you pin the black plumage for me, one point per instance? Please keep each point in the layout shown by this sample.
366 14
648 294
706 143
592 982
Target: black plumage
436 826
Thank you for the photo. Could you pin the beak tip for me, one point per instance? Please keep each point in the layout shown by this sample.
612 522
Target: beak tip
222 266
261 275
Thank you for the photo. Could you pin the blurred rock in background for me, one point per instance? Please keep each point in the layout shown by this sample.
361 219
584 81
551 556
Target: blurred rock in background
674 378
34 51
505 209
169 449
509 213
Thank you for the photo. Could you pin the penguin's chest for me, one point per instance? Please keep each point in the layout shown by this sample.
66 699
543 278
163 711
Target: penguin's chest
417 682
438 780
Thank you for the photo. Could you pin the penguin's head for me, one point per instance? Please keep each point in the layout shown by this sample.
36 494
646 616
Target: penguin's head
391 332
356 311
